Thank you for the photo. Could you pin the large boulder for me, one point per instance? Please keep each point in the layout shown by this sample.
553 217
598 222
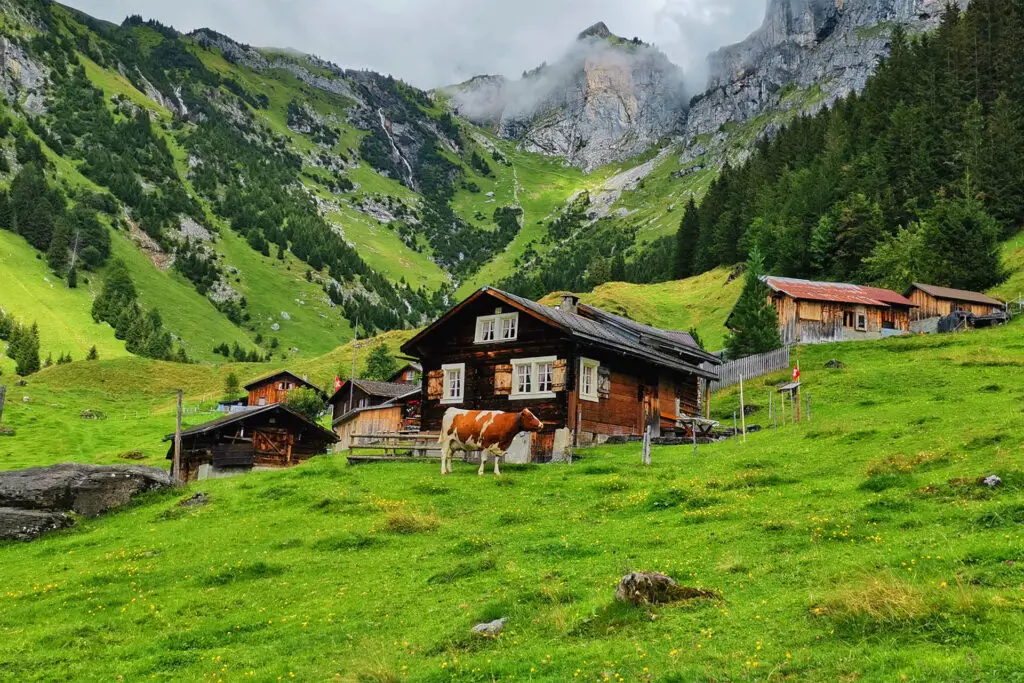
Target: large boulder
654 588
88 490
25 525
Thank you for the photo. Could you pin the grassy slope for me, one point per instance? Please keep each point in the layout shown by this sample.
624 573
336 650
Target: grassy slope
703 302
1013 262
32 293
857 546
138 398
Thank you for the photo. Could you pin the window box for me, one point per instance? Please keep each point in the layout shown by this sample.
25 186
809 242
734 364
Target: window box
533 378
453 383
588 380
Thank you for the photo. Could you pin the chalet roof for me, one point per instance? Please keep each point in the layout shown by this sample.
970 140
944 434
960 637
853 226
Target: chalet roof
590 325
836 292
955 294
283 373
373 388
245 416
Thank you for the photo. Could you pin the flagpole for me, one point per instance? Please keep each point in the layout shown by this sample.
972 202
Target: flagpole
352 380
799 417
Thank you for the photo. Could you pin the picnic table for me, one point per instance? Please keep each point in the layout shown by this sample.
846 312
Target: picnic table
700 426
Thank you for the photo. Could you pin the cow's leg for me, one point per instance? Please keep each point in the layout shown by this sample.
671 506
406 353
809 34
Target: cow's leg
483 463
497 457
451 457
446 455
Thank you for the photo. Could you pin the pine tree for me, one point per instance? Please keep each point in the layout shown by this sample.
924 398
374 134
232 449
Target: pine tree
962 244
754 322
232 387
57 256
24 349
72 278
93 354
380 364
687 240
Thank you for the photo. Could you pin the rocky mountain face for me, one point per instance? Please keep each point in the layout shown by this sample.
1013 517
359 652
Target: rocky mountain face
807 55
608 99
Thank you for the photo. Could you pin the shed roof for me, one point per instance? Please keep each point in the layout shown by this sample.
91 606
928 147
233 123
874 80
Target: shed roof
955 294
283 373
590 325
410 393
837 292
247 415
379 389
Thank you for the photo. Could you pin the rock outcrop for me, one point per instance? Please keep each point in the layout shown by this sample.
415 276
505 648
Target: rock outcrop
807 55
36 500
608 99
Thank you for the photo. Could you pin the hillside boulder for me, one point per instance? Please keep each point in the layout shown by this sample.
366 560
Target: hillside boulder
87 490
654 588
26 525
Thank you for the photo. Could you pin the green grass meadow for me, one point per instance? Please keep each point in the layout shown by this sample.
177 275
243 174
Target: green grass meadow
856 546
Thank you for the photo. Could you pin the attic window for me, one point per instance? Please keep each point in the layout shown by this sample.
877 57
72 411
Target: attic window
493 328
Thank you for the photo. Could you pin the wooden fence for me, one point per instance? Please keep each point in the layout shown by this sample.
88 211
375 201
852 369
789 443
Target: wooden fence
751 366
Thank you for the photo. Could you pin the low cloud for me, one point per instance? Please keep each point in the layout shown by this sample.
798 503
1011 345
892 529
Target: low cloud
432 43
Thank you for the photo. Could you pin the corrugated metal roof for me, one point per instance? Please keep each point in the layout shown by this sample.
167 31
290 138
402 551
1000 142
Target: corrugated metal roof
838 292
956 294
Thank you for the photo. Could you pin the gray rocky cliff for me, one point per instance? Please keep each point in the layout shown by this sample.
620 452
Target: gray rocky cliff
608 99
807 55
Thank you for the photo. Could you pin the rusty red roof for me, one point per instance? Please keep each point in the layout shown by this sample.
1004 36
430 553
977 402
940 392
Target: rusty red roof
838 292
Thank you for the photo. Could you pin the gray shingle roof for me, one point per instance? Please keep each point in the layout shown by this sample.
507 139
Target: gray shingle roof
589 324
957 294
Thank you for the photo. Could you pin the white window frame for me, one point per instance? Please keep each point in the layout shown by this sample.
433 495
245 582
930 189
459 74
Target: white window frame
860 322
534 365
446 398
594 395
498 320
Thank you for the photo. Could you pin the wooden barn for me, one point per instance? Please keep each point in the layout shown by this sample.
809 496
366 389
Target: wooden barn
815 312
266 437
587 374
394 415
365 393
938 302
274 388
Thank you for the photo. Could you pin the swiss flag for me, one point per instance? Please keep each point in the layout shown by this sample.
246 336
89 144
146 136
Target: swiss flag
796 372
337 383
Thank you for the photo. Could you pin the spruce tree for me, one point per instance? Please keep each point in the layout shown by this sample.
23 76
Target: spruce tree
232 386
687 239
962 244
73 278
93 354
754 322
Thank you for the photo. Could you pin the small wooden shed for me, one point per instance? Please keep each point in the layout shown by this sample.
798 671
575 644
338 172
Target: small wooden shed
937 302
266 437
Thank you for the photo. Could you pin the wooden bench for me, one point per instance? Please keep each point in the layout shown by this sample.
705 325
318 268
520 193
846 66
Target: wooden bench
415 444
699 425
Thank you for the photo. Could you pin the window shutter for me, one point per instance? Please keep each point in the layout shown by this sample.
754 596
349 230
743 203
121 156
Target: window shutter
435 385
558 375
502 380
604 382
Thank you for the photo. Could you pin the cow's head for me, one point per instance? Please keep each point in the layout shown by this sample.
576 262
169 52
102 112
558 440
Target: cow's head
528 422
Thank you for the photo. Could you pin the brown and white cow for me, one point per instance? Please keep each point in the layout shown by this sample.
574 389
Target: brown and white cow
487 431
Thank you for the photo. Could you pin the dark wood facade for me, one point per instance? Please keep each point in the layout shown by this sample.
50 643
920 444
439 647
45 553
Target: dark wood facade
274 389
268 437
367 394
633 388
937 302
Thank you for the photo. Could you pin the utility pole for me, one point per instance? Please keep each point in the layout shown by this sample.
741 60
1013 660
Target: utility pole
352 379
176 463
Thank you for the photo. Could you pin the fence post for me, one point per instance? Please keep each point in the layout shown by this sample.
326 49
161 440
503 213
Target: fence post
735 429
808 406
3 397
743 411
176 463
646 457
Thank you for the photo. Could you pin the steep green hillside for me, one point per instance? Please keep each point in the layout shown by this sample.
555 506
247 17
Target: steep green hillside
860 545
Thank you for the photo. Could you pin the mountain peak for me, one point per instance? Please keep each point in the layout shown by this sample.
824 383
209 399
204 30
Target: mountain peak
598 30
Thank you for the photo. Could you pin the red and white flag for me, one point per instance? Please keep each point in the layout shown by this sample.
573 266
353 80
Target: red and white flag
796 372
337 383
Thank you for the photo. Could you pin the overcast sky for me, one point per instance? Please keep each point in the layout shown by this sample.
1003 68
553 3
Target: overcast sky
438 42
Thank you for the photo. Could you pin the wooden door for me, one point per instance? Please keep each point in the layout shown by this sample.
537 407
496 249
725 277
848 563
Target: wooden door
272 446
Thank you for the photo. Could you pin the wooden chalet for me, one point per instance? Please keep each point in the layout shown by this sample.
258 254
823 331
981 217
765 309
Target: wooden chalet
266 437
937 302
365 393
410 373
814 312
587 374
274 388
